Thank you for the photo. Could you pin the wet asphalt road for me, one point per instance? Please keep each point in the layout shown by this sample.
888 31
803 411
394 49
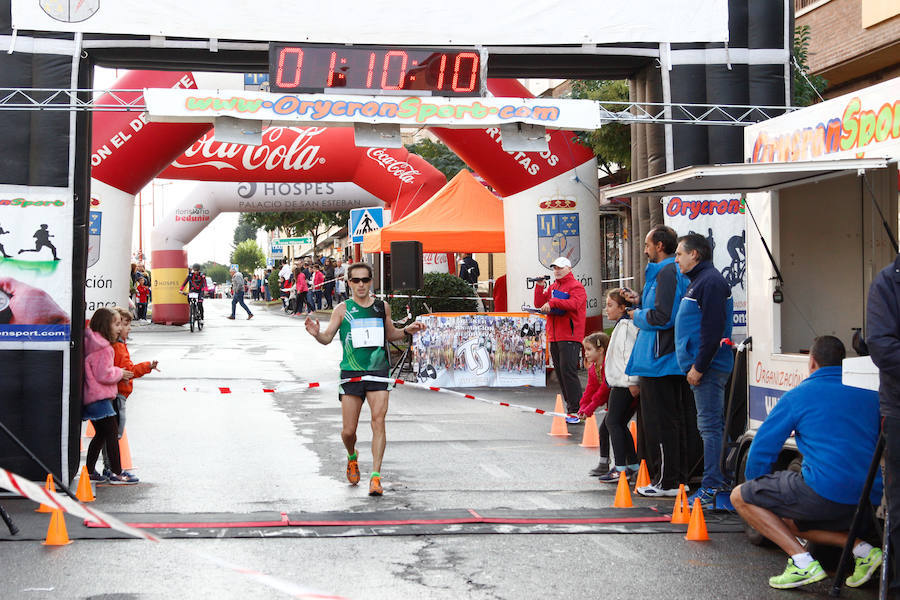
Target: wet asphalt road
201 452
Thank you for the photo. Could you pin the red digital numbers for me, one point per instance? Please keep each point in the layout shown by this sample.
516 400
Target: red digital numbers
316 68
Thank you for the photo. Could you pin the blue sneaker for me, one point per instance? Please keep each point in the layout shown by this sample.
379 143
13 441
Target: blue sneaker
707 498
572 420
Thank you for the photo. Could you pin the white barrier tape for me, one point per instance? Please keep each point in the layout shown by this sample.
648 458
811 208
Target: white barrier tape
403 382
28 489
433 297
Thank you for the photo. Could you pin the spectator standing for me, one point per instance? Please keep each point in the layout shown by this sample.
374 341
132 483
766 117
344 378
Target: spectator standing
301 288
704 319
818 503
237 293
318 278
284 273
468 269
340 273
883 340
664 394
329 285
565 303
143 297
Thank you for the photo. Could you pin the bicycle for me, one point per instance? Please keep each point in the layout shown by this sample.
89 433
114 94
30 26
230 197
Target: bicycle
196 311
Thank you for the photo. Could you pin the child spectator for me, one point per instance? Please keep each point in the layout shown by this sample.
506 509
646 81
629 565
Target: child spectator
143 296
100 379
624 390
596 393
122 359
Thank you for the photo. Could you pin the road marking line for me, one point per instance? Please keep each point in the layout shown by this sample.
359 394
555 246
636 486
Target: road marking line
495 471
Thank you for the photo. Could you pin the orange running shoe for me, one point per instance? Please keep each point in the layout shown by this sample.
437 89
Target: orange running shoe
353 471
375 486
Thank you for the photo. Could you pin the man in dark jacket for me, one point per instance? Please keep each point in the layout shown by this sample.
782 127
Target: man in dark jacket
883 340
565 303
468 269
704 319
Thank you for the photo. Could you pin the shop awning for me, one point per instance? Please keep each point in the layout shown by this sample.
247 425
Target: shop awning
742 177
463 216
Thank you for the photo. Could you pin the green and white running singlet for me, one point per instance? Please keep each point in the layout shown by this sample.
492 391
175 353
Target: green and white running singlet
362 336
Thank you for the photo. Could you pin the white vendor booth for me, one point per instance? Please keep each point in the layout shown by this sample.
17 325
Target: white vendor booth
820 186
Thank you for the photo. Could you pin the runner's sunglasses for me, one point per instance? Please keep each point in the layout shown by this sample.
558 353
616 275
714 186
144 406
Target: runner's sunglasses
360 279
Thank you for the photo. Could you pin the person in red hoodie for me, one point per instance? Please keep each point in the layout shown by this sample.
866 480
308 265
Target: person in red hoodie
596 394
143 295
122 358
100 379
565 303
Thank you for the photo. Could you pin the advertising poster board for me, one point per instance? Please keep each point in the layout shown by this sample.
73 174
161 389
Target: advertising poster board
35 264
483 349
720 218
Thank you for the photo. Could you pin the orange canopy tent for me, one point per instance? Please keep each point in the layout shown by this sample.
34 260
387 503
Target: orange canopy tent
463 216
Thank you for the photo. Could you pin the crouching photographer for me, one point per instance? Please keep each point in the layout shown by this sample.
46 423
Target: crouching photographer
836 428
564 302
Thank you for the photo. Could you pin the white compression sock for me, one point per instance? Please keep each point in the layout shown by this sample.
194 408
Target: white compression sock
802 560
862 549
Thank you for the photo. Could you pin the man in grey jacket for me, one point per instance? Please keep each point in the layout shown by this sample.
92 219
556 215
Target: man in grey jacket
237 293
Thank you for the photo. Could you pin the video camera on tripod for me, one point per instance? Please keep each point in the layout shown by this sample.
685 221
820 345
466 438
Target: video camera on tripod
531 281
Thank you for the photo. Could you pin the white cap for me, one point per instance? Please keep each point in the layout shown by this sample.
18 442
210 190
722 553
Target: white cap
561 262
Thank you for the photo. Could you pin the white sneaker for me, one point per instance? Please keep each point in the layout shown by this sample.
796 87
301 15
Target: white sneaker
651 491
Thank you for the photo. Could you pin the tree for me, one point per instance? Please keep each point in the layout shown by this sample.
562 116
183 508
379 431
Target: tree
299 223
218 272
248 256
245 230
439 156
807 88
612 142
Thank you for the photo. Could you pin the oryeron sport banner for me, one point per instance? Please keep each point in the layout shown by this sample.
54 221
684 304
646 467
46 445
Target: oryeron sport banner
484 349
35 264
464 22
721 220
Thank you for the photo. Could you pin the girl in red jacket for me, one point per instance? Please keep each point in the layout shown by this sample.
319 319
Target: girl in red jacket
100 379
596 394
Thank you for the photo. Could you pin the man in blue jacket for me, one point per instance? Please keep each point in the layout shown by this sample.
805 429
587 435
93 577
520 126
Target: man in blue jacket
836 429
665 401
704 319
883 340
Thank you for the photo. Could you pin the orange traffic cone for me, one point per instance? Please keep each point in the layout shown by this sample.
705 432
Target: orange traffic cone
681 514
697 529
623 492
84 492
56 532
591 436
558 427
89 432
43 508
125 451
632 427
643 476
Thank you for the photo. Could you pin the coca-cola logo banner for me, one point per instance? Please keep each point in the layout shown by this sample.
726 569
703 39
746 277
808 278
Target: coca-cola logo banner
321 109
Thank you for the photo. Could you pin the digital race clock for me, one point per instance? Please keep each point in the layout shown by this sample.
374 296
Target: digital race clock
372 70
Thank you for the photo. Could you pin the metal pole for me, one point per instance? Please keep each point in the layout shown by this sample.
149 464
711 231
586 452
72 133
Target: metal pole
381 271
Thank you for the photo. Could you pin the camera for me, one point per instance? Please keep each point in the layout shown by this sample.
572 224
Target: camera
530 281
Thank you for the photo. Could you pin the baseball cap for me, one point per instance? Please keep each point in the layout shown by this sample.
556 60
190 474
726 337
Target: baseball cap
561 262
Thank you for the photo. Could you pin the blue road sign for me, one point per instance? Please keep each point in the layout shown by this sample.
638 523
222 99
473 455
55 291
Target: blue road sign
363 221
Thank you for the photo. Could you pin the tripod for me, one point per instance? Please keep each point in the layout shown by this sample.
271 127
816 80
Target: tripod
13 530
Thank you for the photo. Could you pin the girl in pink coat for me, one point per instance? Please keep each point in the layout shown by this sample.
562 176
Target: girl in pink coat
100 379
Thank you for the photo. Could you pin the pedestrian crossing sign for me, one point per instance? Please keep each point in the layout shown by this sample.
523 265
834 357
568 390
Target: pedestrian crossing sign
363 221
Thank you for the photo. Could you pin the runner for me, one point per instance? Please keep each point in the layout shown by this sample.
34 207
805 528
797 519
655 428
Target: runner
365 326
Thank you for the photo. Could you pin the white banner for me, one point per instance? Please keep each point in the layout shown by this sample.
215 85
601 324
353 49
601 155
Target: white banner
476 350
465 22
35 264
202 106
720 219
861 124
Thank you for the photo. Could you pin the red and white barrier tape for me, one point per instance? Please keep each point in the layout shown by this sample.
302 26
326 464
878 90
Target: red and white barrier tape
28 489
305 386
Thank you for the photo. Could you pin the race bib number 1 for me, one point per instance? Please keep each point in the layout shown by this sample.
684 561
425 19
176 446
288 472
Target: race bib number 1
367 333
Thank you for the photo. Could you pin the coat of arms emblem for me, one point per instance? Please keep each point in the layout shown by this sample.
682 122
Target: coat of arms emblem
70 11
558 235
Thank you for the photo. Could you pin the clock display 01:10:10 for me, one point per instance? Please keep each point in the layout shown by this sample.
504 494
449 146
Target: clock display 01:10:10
294 68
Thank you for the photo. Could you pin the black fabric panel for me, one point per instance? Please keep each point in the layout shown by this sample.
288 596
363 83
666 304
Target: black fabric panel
726 86
737 23
30 393
766 24
40 138
689 143
5 17
767 87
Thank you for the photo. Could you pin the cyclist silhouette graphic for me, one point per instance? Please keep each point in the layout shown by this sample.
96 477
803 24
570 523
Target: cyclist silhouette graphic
734 273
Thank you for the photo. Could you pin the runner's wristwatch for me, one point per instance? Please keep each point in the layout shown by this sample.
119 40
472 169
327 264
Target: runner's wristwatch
5 312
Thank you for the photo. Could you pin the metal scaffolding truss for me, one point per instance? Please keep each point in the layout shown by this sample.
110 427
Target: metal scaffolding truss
653 113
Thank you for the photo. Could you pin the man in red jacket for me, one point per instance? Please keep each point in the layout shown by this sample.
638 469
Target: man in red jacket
565 302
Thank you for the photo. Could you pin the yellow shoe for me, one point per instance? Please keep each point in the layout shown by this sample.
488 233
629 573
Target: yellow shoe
375 486
353 471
